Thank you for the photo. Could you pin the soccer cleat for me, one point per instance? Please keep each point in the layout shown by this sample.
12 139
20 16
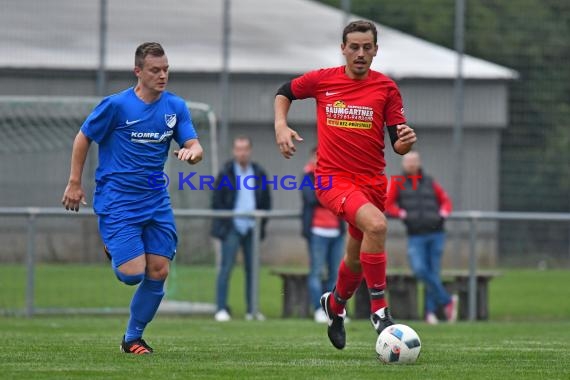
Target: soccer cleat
137 347
381 319
335 331
451 309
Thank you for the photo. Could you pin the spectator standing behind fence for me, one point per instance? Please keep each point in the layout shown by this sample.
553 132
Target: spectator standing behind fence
324 232
247 195
423 205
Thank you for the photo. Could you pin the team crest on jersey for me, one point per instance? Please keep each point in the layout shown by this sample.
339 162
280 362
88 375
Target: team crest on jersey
170 120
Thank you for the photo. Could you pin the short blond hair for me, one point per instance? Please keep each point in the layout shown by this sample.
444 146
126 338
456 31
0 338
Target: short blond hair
145 49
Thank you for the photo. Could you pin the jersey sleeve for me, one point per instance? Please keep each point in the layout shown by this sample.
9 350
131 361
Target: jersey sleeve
305 86
184 130
100 122
394 108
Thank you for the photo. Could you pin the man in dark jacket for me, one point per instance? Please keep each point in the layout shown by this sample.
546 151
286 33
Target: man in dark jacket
423 205
240 186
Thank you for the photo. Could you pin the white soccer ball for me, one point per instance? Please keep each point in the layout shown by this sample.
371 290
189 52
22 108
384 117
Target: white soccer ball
398 344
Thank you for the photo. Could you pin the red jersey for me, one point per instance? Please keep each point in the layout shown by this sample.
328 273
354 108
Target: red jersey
351 115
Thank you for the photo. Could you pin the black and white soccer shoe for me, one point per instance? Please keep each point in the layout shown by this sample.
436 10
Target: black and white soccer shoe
381 319
335 331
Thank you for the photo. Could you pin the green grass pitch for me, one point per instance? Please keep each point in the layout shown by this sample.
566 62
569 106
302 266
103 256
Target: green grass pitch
527 338
87 347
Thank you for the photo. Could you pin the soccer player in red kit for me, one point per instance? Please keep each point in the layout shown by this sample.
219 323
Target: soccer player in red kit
354 103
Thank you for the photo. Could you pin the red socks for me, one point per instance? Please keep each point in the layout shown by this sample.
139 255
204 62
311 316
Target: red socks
346 284
374 269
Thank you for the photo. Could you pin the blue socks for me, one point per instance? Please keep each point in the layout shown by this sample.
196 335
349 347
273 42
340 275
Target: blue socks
144 305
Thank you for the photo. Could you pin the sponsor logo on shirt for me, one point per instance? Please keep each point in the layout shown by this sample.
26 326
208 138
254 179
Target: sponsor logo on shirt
349 124
151 137
342 115
170 120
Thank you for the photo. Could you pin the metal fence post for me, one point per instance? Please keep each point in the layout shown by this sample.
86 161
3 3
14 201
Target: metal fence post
225 78
30 265
472 269
255 266
101 69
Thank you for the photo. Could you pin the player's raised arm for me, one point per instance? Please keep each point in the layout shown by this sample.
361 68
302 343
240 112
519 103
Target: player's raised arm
283 134
74 194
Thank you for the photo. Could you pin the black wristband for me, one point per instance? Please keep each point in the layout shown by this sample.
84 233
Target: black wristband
393 132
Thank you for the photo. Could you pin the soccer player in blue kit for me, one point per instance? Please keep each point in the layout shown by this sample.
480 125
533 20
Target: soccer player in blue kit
133 129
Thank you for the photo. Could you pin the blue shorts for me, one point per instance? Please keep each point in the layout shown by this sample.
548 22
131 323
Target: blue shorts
128 238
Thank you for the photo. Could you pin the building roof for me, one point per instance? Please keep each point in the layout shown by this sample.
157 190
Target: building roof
268 36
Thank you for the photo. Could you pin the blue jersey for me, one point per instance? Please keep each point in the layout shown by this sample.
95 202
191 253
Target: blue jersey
134 140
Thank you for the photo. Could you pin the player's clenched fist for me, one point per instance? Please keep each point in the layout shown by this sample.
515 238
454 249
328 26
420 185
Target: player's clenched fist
406 138
406 134
284 137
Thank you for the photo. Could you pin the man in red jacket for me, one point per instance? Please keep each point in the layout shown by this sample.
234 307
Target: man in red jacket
423 205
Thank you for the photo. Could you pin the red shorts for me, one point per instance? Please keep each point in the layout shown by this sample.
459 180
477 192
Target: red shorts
345 197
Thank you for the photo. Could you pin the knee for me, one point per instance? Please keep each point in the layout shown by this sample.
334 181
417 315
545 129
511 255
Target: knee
377 227
129 279
158 271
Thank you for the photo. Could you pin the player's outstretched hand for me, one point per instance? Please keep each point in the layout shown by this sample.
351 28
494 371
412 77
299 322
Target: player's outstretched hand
284 137
73 196
193 154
